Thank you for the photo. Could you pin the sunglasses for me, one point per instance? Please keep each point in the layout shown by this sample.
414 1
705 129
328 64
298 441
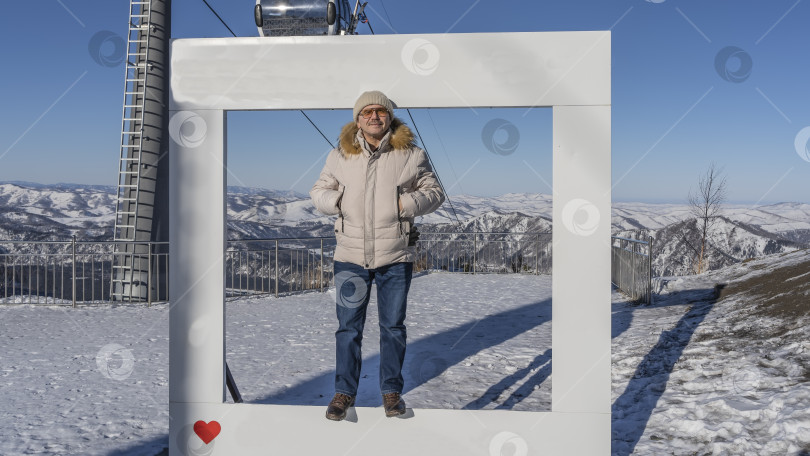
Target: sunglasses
367 113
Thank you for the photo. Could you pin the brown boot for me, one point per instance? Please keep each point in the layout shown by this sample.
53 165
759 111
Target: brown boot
338 407
393 404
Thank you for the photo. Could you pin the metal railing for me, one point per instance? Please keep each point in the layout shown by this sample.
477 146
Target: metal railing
278 266
631 267
484 252
291 265
71 272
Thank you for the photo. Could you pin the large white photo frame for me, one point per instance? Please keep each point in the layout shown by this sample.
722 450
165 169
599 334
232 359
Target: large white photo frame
568 71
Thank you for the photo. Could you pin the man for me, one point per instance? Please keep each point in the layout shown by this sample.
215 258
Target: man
376 181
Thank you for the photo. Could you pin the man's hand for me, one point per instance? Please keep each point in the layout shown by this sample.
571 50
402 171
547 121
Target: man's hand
413 236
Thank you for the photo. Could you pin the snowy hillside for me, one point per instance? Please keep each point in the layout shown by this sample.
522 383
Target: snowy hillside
676 246
35 212
38 212
781 218
719 364
741 233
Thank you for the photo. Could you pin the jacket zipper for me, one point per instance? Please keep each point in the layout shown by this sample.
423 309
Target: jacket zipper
396 208
340 209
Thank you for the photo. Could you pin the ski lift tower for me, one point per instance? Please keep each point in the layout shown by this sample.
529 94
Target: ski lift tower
141 213
141 199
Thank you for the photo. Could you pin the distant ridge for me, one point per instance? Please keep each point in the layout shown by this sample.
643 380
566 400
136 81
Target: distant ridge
266 192
61 186
112 188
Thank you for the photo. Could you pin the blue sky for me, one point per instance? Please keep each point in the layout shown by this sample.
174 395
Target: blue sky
673 112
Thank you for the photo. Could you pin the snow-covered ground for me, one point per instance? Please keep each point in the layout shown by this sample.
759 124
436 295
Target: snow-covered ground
720 364
704 370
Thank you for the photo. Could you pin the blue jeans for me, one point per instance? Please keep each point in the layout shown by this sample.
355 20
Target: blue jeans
353 291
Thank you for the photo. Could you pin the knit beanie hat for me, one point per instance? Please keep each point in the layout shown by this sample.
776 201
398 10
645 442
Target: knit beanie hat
371 98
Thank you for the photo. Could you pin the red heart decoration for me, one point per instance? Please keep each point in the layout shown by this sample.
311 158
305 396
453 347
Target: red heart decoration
207 431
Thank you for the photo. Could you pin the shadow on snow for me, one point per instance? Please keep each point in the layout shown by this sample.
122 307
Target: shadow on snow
632 410
429 357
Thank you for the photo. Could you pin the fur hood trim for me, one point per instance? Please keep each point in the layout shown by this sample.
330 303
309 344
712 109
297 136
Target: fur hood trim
401 138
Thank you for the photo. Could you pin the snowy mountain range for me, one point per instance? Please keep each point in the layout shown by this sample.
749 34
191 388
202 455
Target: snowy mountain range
46 212
34 212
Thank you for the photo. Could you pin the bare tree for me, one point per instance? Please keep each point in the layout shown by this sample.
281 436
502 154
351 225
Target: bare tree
706 204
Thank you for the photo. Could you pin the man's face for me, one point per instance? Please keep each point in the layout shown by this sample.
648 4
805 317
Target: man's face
376 125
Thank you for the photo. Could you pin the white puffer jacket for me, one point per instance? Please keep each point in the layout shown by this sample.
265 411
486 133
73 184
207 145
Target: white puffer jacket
363 189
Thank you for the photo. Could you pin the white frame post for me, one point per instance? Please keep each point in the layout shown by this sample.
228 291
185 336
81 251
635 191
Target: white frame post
568 71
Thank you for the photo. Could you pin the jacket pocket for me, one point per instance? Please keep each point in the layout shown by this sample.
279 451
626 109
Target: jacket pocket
397 211
339 224
339 203
396 208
